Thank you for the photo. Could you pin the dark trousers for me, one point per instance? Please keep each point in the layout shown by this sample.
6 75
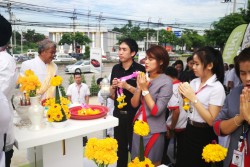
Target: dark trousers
179 147
195 139
8 156
123 134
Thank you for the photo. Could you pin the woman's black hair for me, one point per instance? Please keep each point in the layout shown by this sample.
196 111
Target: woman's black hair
172 72
242 57
209 55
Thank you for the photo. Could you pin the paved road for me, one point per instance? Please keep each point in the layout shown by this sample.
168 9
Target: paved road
88 76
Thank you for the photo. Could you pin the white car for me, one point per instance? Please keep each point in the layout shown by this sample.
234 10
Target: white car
80 66
64 58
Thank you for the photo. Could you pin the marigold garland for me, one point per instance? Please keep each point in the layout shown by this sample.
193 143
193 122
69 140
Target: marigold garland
186 104
214 153
102 151
141 128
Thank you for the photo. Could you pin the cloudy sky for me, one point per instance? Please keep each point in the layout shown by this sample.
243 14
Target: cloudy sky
186 13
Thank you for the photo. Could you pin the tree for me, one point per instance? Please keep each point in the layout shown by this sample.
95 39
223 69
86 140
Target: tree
32 37
167 37
246 13
133 31
223 28
80 39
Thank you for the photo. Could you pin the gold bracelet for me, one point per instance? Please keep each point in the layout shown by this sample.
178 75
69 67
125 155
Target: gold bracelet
235 120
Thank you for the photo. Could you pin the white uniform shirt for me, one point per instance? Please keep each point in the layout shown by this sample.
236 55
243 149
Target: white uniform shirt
212 93
38 67
232 76
78 95
226 78
8 78
176 101
5 117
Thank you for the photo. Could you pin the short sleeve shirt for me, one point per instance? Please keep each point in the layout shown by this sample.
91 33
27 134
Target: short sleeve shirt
176 101
78 93
212 93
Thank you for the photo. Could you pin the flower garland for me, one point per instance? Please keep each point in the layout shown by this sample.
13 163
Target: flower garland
120 95
58 107
102 151
186 104
141 128
214 153
29 83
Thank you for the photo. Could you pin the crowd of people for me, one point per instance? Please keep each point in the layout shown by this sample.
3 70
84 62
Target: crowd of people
156 98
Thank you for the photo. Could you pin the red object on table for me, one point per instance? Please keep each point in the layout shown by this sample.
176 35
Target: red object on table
74 112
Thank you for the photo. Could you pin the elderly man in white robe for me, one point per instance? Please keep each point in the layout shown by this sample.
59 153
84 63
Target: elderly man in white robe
43 67
8 77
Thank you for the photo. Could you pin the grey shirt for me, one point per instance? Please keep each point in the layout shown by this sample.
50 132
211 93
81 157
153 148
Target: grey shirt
161 90
229 110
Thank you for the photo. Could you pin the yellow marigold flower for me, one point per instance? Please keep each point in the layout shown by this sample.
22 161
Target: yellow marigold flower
136 163
58 116
214 153
56 80
186 104
141 128
102 151
29 72
64 101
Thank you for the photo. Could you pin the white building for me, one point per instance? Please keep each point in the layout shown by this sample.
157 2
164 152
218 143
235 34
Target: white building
100 37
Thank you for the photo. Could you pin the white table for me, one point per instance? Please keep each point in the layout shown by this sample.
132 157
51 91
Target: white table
52 147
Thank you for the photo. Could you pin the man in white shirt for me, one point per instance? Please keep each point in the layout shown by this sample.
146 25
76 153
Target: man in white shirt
78 92
43 67
8 73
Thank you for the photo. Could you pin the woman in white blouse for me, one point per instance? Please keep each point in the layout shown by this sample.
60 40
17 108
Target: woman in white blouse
206 95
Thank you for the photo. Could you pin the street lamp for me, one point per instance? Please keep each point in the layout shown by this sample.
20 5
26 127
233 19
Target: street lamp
105 90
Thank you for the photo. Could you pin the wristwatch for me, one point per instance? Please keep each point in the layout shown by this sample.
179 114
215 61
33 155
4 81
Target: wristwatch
145 92
195 101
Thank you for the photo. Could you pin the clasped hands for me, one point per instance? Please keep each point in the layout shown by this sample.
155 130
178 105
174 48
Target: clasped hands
245 105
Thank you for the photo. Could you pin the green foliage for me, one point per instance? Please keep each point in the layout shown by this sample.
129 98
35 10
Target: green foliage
62 90
223 28
94 87
167 37
32 37
79 38
83 78
134 32
66 39
87 52
71 79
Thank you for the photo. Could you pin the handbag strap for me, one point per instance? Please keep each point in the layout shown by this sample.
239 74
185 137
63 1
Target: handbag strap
4 141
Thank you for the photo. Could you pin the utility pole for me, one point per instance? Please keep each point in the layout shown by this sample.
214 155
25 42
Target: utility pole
14 25
89 12
74 27
149 19
234 6
10 19
157 36
99 20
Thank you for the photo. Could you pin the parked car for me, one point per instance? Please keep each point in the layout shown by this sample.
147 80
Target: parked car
16 56
79 66
78 56
64 58
21 59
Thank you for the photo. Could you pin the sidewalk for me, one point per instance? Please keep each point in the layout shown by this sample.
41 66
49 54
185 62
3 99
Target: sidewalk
19 158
